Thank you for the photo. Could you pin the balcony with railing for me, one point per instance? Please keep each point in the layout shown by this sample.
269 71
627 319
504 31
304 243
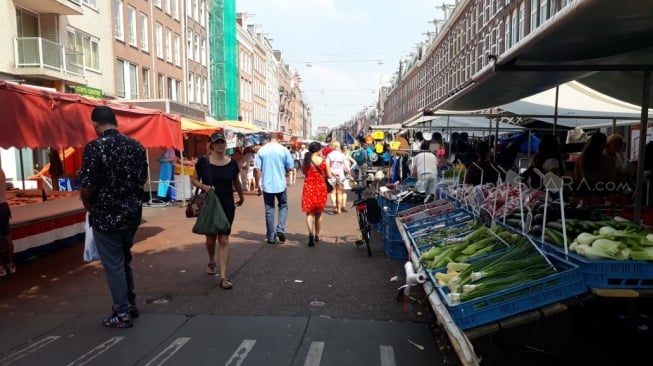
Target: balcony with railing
36 56
60 7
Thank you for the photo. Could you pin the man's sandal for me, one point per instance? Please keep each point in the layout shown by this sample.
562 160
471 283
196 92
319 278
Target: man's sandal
210 270
225 284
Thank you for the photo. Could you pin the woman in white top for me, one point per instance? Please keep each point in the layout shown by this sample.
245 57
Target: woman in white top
337 162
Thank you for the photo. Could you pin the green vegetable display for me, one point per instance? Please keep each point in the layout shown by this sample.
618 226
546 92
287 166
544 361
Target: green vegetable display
476 243
519 264
617 240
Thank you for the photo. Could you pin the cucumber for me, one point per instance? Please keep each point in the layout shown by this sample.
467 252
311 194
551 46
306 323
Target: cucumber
554 237
555 225
513 222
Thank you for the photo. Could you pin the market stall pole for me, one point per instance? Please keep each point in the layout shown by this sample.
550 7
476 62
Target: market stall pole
639 180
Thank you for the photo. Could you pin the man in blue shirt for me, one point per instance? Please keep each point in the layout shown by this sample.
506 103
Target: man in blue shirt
114 170
272 164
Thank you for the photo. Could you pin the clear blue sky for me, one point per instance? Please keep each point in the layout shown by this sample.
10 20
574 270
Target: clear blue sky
352 46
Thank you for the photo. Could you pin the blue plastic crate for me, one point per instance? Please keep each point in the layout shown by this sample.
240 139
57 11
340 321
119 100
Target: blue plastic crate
395 249
377 226
608 273
449 218
392 207
409 181
391 232
565 284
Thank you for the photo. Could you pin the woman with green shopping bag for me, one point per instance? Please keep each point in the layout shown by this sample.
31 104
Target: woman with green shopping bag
217 174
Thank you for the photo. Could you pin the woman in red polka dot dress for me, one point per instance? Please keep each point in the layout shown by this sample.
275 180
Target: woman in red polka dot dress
314 193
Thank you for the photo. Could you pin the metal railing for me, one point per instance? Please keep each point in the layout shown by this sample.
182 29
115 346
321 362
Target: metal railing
40 52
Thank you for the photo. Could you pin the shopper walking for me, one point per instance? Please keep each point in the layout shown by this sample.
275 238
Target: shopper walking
247 169
271 167
360 156
337 162
302 154
114 170
221 173
314 193
6 245
167 161
292 178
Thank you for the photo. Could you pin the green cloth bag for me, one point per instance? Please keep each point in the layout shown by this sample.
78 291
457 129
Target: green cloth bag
212 219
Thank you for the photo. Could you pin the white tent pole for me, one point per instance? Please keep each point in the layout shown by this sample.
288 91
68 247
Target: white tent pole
555 111
149 174
643 127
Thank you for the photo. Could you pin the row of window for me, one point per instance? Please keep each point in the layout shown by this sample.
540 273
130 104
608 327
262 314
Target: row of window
87 45
168 48
134 85
196 47
171 7
459 56
245 61
246 90
488 26
197 89
196 9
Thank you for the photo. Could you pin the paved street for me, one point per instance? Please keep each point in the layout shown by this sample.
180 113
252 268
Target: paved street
290 305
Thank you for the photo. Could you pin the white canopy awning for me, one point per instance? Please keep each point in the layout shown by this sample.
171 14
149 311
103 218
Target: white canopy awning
590 107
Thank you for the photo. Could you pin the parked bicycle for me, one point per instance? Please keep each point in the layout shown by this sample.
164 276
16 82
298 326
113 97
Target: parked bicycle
363 213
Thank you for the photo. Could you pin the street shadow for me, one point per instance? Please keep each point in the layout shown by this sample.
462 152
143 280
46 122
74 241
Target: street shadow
145 232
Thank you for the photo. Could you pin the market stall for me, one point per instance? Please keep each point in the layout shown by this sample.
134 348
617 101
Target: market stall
510 255
37 118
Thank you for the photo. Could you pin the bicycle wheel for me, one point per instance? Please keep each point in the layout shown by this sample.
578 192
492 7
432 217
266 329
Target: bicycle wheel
365 230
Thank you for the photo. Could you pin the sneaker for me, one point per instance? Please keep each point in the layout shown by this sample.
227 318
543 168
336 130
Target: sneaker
3 271
121 320
270 241
282 237
11 268
132 310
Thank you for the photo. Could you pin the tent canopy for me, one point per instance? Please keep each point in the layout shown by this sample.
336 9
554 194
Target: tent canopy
37 118
457 121
587 40
575 99
198 127
241 126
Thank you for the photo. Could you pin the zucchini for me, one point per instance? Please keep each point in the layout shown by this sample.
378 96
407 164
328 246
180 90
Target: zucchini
555 225
514 222
554 237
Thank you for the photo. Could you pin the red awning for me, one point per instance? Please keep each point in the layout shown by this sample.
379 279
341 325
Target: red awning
32 117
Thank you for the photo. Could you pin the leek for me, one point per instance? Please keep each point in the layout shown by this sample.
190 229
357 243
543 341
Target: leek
472 248
493 285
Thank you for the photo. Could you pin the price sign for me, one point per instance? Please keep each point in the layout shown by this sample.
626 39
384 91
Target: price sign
485 217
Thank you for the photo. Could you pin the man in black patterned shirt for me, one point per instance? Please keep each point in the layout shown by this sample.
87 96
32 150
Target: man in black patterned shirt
114 170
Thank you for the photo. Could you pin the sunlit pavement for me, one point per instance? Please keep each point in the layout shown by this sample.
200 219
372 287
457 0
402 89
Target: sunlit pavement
291 305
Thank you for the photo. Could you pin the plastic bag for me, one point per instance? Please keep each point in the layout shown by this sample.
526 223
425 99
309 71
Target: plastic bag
90 250
212 220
